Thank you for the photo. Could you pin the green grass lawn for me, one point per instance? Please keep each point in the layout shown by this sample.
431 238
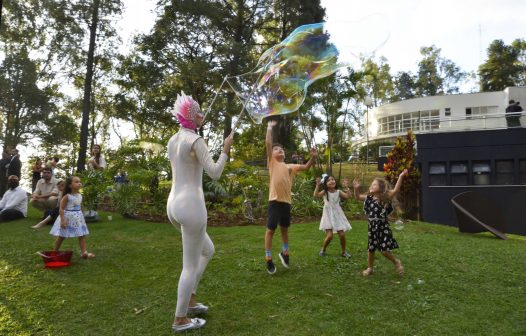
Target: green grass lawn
455 284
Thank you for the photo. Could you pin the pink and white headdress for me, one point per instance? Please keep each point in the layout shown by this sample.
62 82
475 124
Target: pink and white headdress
185 110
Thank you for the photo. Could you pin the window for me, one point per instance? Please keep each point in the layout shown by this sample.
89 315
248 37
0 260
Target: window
447 111
481 173
468 112
459 173
434 118
437 174
504 172
522 171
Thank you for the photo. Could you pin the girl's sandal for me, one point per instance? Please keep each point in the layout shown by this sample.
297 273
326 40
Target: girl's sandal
399 268
87 255
368 271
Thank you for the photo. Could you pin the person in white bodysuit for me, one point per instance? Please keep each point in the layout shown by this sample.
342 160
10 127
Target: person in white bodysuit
186 208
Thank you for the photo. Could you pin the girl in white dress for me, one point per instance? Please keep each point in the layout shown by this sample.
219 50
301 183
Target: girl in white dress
70 222
333 218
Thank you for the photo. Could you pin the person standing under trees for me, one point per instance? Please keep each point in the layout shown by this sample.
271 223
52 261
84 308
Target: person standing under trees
97 160
186 207
280 196
36 174
14 167
3 172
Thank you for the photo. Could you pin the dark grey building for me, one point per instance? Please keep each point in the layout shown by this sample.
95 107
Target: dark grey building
491 163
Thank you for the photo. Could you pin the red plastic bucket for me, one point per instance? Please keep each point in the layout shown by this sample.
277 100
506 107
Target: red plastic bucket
56 259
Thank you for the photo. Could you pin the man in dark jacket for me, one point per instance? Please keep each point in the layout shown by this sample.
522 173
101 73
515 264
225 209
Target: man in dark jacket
512 117
15 166
3 172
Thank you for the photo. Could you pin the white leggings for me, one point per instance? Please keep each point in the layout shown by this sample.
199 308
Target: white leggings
198 249
186 208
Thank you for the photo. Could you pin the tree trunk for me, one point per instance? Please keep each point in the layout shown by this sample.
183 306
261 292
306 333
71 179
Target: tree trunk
86 104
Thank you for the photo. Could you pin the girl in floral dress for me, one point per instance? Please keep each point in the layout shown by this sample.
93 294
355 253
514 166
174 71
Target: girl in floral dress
70 222
377 206
333 218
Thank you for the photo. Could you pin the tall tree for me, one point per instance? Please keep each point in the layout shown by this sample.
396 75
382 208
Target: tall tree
52 32
24 104
193 48
86 104
505 66
142 98
404 86
436 74
377 81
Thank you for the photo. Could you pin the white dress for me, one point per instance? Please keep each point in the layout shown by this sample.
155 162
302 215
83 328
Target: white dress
333 216
73 214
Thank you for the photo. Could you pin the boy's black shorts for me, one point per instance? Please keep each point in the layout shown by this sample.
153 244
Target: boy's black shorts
278 213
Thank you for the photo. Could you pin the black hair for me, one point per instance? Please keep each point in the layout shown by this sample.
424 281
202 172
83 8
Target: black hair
325 180
67 187
47 168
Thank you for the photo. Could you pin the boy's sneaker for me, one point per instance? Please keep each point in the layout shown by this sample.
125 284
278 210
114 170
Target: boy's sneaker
271 268
346 255
322 254
284 259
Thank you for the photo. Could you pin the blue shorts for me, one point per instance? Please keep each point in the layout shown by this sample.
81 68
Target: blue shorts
278 213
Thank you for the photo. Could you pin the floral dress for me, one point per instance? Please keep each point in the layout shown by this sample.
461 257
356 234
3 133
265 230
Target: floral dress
379 232
333 216
73 214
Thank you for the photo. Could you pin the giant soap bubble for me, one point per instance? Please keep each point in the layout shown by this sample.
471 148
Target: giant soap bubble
278 85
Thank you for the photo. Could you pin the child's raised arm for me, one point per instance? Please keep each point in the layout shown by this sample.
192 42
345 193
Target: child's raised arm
392 193
356 184
317 192
346 193
268 137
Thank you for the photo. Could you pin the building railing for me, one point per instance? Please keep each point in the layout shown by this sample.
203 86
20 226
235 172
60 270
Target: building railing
451 124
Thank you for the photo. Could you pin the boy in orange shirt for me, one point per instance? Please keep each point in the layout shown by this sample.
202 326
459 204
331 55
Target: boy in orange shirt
280 188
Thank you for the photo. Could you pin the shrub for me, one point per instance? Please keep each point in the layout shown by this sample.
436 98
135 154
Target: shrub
94 185
401 157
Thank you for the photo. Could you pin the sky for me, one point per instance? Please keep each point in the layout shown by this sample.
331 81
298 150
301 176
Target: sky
462 29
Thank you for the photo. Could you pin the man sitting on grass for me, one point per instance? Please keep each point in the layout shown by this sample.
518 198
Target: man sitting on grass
14 203
45 195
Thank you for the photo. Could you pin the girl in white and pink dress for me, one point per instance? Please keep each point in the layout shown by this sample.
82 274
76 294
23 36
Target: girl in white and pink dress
70 222
333 219
186 209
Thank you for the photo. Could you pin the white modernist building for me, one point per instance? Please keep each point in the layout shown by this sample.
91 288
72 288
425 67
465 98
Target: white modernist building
447 113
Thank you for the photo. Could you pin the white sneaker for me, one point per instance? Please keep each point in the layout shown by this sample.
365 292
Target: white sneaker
195 323
197 309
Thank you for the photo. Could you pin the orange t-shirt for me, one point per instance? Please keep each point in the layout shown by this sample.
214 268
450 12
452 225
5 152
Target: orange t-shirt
280 185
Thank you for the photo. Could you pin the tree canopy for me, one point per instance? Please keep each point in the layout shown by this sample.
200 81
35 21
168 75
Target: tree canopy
57 64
